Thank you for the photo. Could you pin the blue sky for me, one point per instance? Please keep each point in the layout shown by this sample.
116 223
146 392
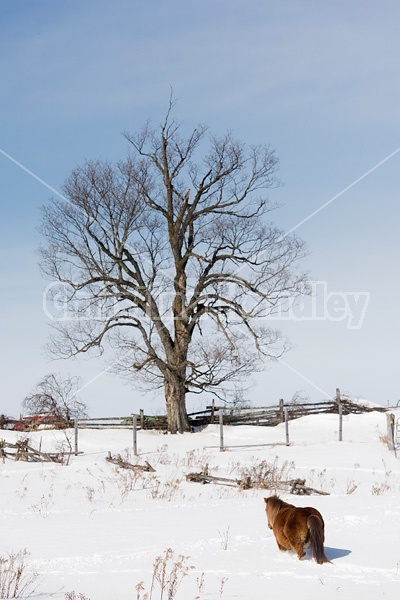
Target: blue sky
319 81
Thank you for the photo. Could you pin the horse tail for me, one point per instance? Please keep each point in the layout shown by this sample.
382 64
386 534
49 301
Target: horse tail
317 537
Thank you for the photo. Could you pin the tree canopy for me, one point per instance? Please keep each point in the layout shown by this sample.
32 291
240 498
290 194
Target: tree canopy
169 257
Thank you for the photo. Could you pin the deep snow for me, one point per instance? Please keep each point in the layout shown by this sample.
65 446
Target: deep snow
97 529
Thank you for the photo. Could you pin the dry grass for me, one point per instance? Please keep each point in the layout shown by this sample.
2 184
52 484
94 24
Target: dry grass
168 572
168 489
264 475
16 580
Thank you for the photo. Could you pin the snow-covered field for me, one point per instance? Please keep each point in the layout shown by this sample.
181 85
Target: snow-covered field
95 529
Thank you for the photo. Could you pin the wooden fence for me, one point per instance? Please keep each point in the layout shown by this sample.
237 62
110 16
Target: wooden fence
21 450
260 415
124 422
267 416
272 415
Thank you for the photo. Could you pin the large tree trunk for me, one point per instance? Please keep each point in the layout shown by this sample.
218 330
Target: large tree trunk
175 396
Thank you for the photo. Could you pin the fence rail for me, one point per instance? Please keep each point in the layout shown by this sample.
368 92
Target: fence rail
267 416
272 415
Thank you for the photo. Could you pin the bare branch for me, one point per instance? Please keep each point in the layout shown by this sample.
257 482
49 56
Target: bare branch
168 249
56 397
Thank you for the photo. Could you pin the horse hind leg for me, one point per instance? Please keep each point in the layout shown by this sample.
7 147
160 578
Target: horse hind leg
296 543
298 547
299 542
281 541
282 548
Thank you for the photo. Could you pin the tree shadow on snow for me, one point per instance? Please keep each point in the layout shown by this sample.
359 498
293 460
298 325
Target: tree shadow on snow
332 553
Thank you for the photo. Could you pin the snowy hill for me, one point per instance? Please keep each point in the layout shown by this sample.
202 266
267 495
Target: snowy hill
96 529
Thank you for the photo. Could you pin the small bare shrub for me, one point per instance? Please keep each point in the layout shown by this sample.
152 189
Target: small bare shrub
90 494
139 589
64 448
351 487
380 488
222 583
166 490
197 458
224 538
168 572
124 481
15 580
200 584
75 596
22 492
42 507
128 480
162 456
264 475
234 467
319 479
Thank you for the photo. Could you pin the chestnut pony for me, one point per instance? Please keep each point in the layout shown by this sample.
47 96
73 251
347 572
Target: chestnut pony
296 528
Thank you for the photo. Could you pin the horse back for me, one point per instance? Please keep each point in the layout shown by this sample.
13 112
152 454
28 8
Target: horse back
292 518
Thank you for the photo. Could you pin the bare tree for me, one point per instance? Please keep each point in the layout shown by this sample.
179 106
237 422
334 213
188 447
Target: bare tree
169 258
56 397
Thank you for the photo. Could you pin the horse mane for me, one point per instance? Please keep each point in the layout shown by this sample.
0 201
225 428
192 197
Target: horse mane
274 505
273 500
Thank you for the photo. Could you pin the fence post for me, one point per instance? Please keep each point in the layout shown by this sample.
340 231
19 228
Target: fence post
287 425
141 415
390 420
281 412
134 429
76 436
339 402
221 431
